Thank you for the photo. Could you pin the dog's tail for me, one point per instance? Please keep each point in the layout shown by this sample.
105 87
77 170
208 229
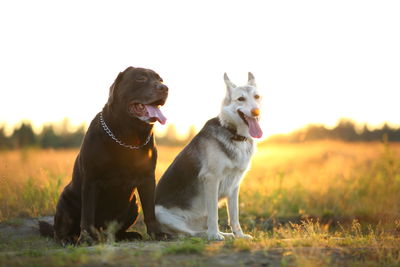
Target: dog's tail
46 229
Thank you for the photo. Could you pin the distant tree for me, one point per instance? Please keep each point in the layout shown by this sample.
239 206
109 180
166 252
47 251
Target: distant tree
366 134
315 132
4 140
24 136
73 139
63 138
345 130
49 138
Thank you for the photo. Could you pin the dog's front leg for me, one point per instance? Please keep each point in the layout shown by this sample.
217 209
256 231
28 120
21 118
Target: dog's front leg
146 193
87 223
211 198
233 213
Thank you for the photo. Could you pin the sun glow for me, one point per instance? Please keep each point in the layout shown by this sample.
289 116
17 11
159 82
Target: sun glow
310 66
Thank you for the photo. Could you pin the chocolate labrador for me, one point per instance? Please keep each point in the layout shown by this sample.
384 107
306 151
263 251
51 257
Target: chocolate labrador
117 156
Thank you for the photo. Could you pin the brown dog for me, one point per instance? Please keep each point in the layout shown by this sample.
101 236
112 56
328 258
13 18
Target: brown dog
117 156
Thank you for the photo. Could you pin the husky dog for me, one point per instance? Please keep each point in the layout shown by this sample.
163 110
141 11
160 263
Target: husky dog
210 168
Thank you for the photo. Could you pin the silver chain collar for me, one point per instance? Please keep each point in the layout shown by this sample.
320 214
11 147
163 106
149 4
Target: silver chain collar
108 131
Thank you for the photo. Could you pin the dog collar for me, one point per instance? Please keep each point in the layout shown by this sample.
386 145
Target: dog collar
236 137
108 131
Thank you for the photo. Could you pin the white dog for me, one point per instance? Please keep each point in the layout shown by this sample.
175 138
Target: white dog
210 168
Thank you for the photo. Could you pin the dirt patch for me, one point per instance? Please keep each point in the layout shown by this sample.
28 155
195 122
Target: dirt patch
21 228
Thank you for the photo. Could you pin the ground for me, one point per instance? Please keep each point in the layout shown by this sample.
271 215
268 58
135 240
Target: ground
21 245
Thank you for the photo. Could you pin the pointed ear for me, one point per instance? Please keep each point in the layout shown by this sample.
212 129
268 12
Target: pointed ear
113 89
228 82
251 81
229 86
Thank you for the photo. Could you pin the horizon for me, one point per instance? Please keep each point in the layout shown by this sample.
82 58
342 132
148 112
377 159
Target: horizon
65 125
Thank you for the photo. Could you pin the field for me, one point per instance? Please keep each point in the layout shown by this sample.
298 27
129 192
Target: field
306 204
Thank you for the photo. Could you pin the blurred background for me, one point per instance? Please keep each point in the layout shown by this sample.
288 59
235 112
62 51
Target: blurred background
328 72
314 62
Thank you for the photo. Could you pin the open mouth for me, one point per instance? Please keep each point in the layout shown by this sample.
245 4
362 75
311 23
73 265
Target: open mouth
252 122
243 117
148 112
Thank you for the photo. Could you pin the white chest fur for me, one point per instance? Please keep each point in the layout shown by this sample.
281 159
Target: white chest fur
227 166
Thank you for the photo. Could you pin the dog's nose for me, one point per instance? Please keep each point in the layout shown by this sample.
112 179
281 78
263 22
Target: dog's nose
162 87
255 112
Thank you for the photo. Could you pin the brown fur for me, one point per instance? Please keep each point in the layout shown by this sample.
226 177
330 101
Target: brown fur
106 174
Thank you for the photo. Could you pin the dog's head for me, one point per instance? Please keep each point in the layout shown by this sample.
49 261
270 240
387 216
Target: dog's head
241 107
138 93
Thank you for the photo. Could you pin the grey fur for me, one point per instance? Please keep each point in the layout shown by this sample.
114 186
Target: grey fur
210 168
174 190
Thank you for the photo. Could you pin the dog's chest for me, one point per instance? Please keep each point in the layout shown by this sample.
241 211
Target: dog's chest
129 170
237 156
228 183
233 168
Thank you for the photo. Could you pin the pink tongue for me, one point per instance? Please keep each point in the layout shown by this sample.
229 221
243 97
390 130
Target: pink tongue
254 128
155 112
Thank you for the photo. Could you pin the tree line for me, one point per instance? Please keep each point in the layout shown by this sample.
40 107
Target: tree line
54 136
24 136
345 130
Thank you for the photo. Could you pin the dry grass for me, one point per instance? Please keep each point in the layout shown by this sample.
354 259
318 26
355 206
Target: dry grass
331 179
324 179
312 185
31 181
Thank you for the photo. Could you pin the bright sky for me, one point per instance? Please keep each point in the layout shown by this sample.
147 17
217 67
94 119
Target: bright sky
314 61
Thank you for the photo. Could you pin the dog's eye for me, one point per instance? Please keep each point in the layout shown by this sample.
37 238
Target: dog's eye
256 96
241 98
159 78
141 79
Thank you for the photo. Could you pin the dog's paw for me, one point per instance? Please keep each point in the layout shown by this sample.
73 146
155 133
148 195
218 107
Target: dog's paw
128 236
85 239
160 236
216 236
227 235
163 236
244 236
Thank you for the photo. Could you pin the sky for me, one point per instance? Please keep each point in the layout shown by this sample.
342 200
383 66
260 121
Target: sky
314 61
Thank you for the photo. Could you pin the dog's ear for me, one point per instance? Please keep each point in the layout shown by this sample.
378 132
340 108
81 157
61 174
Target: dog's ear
229 84
251 81
113 89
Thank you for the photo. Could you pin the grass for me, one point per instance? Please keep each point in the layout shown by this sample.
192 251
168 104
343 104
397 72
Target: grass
31 181
187 246
306 244
330 180
308 204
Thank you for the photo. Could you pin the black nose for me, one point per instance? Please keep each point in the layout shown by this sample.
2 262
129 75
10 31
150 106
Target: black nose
162 87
